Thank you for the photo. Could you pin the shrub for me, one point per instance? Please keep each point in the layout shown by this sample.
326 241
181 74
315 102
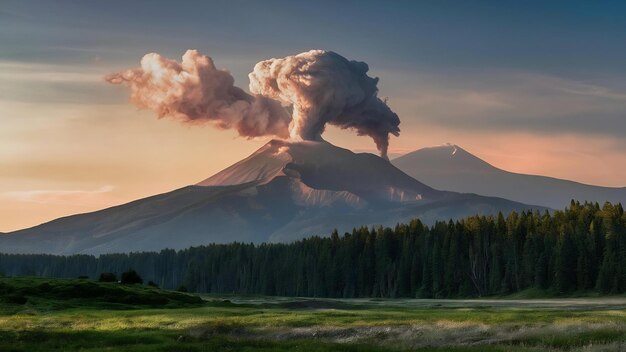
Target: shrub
15 299
131 277
153 284
107 277
182 288
44 287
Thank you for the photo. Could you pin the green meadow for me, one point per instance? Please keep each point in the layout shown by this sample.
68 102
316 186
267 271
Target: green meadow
38 314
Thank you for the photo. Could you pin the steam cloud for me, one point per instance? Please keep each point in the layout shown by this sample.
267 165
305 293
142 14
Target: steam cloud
324 87
321 87
195 90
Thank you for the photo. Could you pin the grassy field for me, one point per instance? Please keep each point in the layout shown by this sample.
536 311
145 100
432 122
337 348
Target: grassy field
137 318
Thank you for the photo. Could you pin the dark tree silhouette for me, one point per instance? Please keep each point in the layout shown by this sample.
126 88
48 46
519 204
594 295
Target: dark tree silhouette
107 277
582 248
131 277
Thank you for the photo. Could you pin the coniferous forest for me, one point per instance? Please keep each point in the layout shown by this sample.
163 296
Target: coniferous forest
580 249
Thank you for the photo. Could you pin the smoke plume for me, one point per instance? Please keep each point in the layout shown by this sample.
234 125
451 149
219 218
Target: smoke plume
324 87
195 90
320 87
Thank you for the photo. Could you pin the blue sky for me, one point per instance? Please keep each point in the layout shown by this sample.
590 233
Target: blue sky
582 39
530 86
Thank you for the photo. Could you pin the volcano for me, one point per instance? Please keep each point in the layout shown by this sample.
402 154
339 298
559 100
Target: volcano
453 168
282 192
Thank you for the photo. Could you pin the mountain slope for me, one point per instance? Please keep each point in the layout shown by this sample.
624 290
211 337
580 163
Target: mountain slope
451 167
321 165
282 192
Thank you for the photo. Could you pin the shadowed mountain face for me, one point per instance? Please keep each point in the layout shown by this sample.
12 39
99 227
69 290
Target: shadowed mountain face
452 168
282 192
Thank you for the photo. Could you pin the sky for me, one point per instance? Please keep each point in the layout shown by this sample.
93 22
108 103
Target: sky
530 87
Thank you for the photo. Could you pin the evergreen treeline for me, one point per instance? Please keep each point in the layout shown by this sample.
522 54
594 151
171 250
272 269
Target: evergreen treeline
580 249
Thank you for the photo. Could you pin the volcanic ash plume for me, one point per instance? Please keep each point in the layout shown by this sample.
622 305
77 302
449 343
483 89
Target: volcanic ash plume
324 87
319 86
195 90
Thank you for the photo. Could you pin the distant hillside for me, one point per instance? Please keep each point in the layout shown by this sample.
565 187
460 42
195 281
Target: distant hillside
450 167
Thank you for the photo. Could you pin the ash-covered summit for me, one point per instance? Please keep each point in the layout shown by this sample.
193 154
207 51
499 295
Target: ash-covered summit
321 166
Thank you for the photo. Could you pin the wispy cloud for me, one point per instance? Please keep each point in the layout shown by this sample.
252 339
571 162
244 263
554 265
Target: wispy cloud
65 197
38 72
37 83
514 101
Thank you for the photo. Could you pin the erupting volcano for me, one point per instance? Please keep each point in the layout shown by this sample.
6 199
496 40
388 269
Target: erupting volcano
318 87
282 192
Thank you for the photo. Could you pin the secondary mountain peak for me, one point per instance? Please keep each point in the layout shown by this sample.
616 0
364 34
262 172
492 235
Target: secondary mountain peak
452 168
442 160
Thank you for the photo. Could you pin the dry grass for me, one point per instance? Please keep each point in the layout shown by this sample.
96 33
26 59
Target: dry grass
268 324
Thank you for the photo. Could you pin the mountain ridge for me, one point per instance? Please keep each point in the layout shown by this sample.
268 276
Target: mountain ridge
462 171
